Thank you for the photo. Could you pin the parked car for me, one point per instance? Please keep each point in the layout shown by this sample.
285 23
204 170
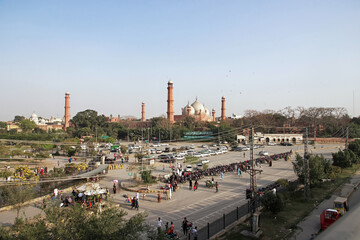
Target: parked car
183 153
204 146
191 152
188 168
263 153
271 144
158 151
205 161
197 155
245 148
286 144
179 157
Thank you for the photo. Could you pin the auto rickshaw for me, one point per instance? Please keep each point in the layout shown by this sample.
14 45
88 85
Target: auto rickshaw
328 217
341 205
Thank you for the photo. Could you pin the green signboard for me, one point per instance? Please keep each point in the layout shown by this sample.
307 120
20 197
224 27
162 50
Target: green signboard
198 135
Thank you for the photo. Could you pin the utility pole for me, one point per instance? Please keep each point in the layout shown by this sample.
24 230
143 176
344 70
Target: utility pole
253 188
159 136
347 138
306 167
148 135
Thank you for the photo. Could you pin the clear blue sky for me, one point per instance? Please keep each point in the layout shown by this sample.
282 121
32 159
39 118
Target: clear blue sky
112 55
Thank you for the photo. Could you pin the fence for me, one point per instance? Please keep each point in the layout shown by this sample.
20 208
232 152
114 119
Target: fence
221 223
227 219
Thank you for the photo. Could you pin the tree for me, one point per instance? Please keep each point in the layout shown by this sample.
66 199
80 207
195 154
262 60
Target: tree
355 147
18 195
344 158
75 223
18 118
27 125
3 125
319 168
273 202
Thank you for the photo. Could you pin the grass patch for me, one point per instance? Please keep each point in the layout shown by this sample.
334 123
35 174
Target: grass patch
191 159
282 225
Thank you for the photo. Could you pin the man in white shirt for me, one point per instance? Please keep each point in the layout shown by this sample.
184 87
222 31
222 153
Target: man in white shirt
159 224
194 233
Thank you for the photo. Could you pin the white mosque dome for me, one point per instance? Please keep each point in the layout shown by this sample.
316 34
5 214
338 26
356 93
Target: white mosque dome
192 110
33 116
198 107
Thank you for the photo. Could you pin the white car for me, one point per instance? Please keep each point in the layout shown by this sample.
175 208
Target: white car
217 152
263 153
205 161
271 144
188 168
245 149
205 154
197 155
159 151
155 145
182 153
179 157
212 153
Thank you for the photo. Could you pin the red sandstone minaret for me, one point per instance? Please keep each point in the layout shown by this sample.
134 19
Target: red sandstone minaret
170 101
67 110
213 115
223 117
143 112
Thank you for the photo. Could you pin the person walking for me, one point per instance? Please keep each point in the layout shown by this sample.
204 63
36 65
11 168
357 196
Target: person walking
159 224
222 176
190 184
217 186
114 188
137 204
184 226
194 233
195 185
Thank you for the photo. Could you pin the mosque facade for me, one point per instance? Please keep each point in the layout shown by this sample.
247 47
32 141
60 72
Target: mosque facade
196 110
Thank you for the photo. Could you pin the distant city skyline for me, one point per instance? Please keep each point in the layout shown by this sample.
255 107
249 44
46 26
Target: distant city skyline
112 56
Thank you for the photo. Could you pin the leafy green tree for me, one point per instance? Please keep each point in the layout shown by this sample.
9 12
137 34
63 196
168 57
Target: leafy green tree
3 125
320 168
344 158
123 149
355 147
27 125
71 152
75 223
18 118
273 203
146 176
18 195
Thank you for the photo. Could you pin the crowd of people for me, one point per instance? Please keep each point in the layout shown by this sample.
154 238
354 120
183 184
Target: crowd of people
239 167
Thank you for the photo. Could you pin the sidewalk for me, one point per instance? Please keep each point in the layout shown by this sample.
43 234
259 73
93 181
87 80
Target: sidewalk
310 226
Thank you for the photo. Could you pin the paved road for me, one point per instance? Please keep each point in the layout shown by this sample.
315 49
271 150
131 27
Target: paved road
204 205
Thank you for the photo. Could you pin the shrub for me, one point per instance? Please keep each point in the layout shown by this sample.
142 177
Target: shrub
273 202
